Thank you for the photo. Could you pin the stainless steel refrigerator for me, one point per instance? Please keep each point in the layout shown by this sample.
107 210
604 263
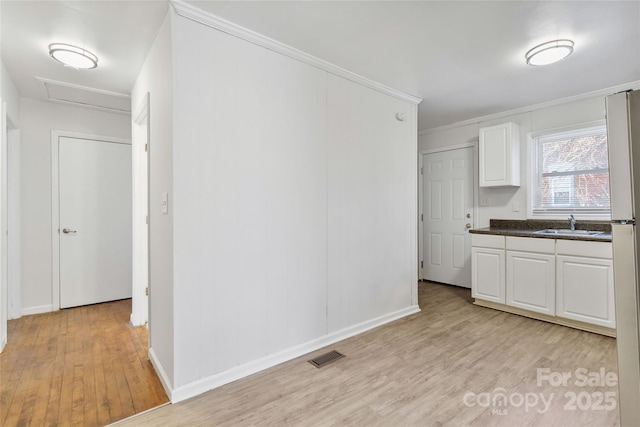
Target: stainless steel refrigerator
623 129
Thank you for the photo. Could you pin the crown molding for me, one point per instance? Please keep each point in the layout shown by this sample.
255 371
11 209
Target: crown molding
196 14
601 92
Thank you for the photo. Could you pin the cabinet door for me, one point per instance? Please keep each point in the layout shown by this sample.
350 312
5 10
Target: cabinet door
584 290
487 274
531 281
499 155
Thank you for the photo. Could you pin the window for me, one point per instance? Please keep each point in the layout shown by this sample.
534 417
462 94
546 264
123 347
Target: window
571 171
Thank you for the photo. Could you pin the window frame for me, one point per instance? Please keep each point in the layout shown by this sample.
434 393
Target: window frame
533 184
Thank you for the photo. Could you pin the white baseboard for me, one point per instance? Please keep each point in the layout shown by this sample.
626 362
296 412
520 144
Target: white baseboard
37 309
162 374
133 320
3 343
213 381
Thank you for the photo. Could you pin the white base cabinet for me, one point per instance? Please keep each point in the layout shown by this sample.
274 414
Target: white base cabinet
584 290
531 274
569 282
584 282
531 281
487 268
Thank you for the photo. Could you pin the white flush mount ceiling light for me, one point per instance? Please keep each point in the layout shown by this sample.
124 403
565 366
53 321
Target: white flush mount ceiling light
549 52
73 56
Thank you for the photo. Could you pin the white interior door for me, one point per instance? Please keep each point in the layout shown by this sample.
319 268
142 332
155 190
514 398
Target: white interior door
447 209
95 221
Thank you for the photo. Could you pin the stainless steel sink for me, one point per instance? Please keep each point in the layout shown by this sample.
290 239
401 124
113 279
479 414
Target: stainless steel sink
567 232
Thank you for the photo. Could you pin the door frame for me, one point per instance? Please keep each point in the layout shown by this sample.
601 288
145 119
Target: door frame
55 203
474 146
11 291
140 149
14 243
4 294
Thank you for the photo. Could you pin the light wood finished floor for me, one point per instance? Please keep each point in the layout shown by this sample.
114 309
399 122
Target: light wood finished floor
416 372
82 366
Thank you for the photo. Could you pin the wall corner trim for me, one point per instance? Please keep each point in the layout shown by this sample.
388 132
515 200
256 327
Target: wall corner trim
193 13
210 382
162 374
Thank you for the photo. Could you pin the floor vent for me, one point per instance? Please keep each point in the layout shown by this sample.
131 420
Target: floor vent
326 358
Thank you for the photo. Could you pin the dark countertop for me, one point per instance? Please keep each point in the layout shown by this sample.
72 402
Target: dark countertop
528 228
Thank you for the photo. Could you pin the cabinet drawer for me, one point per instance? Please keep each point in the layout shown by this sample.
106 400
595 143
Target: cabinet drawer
487 241
586 249
531 244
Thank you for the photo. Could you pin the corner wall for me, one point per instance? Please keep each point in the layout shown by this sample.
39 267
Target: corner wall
295 211
156 77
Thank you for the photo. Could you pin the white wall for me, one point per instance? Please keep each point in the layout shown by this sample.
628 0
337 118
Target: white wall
156 78
10 95
250 202
371 204
295 211
38 119
536 119
9 276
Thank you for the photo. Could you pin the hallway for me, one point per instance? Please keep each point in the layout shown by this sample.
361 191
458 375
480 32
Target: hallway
81 366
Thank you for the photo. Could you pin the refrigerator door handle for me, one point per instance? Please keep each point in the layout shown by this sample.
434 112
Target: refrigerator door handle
624 222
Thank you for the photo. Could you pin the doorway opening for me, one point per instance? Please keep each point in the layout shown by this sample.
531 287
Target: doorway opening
140 131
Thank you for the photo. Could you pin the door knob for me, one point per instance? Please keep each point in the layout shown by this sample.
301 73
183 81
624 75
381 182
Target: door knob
468 225
68 231
468 215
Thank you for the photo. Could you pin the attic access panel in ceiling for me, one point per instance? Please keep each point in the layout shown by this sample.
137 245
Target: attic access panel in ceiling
86 97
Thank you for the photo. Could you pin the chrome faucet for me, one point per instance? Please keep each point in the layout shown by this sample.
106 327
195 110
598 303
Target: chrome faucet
572 222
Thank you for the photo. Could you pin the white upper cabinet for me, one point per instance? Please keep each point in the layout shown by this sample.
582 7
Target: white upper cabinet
500 155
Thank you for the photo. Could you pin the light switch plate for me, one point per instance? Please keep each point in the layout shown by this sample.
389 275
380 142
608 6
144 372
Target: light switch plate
164 203
485 201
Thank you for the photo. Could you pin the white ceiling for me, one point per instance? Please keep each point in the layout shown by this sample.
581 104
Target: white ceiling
464 59
119 32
